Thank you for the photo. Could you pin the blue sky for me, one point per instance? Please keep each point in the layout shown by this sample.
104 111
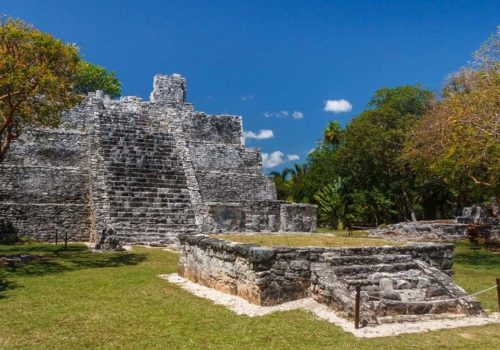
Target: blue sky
265 60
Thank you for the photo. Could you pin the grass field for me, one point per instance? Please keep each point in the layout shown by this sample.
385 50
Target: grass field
300 240
76 299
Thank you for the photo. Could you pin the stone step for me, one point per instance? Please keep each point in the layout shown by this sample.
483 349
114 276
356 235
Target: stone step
368 269
172 228
366 260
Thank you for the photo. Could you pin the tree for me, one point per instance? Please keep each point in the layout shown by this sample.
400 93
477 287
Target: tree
36 79
332 133
369 155
459 138
296 187
91 77
281 183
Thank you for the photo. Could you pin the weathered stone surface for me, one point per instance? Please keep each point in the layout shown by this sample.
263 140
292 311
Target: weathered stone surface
485 219
149 170
423 231
108 241
395 281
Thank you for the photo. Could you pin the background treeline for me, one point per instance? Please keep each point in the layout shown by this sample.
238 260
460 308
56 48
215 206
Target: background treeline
410 154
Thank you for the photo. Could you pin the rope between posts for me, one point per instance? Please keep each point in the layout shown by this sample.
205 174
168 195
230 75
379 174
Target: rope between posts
436 301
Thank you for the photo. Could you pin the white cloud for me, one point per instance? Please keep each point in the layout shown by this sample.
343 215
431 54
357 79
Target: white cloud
247 97
297 115
337 106
261 135
277 114
271 160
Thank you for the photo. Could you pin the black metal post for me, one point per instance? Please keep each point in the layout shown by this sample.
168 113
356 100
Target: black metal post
498 292
356 307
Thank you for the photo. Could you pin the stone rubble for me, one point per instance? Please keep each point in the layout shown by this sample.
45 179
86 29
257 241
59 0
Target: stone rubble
485 219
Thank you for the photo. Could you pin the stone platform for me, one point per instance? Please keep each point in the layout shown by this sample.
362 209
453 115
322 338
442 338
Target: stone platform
398 283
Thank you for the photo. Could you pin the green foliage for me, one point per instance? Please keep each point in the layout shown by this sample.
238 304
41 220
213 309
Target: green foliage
281 183
92 77
8 232
458 140
36 79
370 153
331 204
332 134
290 183
377 185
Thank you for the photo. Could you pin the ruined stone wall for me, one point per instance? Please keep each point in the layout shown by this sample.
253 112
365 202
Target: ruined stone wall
225 170
280 274
296 217
439 230
259 216
44 184
228 189
413 280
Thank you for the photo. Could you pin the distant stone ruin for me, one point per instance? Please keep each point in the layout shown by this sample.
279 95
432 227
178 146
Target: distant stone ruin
485 220
146 170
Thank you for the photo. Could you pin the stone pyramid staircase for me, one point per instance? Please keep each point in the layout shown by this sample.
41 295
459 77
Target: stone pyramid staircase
144 180
394 288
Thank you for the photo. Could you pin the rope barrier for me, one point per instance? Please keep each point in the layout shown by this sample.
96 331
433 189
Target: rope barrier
436 301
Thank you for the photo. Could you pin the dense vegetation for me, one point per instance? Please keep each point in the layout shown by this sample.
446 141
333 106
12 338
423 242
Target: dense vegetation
410 154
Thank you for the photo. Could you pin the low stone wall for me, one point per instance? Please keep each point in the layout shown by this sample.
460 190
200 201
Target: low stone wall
259 216
423 231
297 217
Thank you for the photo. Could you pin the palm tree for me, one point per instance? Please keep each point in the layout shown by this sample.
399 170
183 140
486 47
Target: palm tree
296 182
332 133
281 182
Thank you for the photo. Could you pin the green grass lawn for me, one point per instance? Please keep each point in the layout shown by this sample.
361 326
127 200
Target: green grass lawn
76 299
338 239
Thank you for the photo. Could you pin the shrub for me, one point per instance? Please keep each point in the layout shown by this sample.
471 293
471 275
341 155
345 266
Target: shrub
8 232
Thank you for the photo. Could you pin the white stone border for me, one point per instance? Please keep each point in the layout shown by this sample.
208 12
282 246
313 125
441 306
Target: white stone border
242 307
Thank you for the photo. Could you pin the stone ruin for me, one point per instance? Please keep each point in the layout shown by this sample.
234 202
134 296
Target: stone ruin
146 170
483 219
398 284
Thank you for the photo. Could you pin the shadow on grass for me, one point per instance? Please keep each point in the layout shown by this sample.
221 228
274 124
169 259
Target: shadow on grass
6 285
54 259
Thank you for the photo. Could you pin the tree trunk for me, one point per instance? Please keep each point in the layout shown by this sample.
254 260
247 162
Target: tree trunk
410 206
